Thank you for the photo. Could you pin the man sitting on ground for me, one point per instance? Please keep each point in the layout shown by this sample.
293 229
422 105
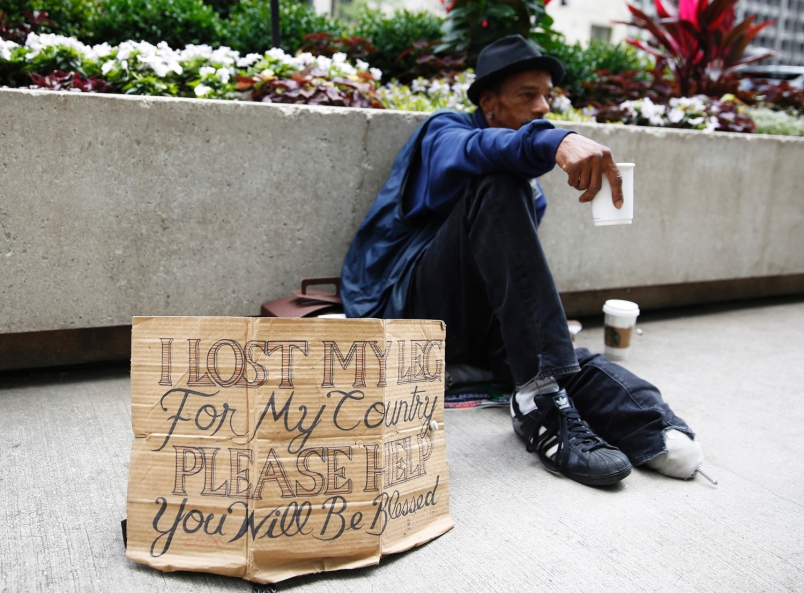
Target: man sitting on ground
453 236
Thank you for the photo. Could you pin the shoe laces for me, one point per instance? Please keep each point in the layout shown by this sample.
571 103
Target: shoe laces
577 432
564 427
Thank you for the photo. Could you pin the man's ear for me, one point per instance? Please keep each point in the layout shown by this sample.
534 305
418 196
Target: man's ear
488 102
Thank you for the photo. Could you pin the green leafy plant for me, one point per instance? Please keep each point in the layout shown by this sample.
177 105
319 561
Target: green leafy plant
771 121
429 95
249 26
698 41
326 44
394 36
175 22
582 66
73 18
473 24
222 7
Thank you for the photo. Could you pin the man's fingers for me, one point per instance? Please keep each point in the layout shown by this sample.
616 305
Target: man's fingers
616 182
587 176
585 162
594 181
573 177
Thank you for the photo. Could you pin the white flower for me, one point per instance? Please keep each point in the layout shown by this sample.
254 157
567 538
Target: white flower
249 60
124 64
346 69
224 56
155 63
339 57
223 75
6 47
195 51
124 50
301 61
696 121
651 111
206 71
376 74
102 50
202 90
36 43
438 87
324 63
361 65
675 115
160 68
561 104
175 66
419 85
107 67
712 124
697 103
277 54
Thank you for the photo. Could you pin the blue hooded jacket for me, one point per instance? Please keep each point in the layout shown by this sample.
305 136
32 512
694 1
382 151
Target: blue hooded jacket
429 176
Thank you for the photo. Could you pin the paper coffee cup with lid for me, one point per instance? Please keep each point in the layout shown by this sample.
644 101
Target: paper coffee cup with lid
603 211
619 326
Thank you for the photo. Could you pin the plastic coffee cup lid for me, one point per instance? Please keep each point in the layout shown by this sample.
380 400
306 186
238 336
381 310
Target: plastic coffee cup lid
622 308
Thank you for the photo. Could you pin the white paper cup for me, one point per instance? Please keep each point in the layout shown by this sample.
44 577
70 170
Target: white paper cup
619 326
603 211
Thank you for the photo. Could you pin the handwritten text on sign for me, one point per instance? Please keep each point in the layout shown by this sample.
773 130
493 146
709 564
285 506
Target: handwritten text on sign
294 438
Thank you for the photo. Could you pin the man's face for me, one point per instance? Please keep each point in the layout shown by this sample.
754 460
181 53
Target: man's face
523 97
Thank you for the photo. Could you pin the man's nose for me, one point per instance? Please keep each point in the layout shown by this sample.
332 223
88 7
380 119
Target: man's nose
541 107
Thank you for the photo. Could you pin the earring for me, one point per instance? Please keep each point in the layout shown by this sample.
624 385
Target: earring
489 115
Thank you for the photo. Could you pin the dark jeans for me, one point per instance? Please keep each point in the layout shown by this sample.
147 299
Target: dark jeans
486 276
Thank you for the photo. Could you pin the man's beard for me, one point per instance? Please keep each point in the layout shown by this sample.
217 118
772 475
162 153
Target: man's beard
527 121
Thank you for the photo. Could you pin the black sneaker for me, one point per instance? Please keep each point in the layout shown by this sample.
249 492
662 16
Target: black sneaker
578 453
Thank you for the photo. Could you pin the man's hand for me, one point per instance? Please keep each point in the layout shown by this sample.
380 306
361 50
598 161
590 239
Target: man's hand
585 162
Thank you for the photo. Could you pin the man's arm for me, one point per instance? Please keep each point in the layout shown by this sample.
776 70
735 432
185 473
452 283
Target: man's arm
452 151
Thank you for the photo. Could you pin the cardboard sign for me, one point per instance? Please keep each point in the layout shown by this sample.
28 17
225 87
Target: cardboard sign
270 448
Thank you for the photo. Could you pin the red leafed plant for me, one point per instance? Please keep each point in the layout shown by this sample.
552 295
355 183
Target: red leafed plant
18 32
699 41
311 87
59 80
326 44
428 64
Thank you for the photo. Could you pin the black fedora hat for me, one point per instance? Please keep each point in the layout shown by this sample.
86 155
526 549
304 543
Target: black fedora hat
507 56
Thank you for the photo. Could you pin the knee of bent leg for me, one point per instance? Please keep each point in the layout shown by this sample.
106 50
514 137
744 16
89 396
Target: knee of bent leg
504 186
505 182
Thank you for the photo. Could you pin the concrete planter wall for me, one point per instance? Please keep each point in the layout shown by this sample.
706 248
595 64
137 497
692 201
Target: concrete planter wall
117 206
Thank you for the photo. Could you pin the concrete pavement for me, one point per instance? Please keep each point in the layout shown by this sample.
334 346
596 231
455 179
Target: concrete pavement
734 373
